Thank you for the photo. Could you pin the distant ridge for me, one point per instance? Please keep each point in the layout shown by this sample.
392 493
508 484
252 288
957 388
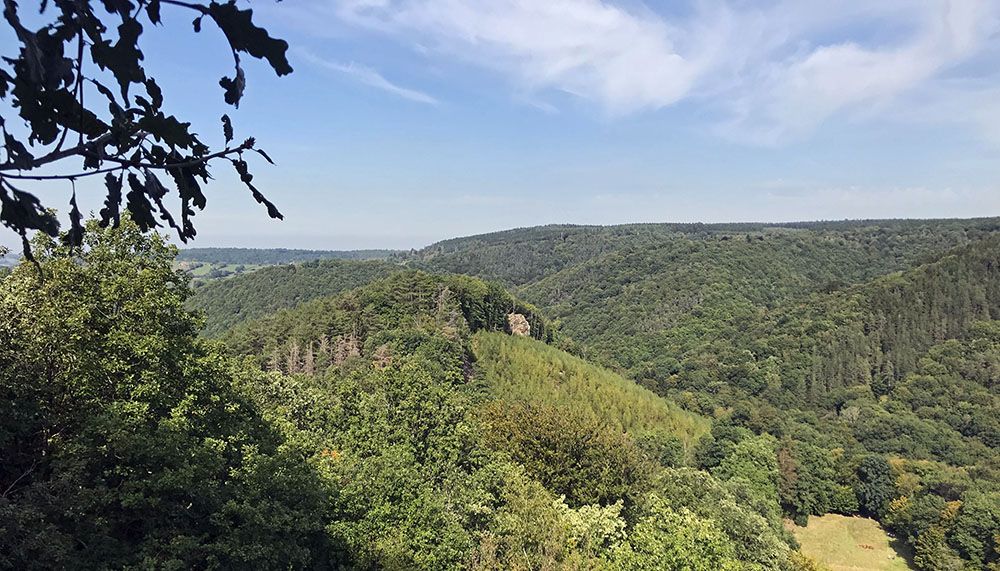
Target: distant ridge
273 256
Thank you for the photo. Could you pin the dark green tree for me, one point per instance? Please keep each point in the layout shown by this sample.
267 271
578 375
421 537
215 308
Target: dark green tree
876 487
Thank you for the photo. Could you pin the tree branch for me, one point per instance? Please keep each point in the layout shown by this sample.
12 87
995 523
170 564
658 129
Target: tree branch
127 164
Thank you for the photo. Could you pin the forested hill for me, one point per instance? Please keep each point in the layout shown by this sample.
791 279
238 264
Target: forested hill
225 303
867 350
379 316
272 256
648 275
868 248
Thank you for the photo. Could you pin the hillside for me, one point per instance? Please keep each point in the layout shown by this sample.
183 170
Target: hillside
400 423
388 315
407 383
866 248
518 368
274 256
226 303
633 278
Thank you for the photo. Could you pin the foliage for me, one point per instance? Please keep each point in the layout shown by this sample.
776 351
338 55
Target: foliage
522 369
126 441
876 487
573 455
47 82
669 540
228 303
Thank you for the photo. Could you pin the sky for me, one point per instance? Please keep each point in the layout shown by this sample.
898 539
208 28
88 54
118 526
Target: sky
411 121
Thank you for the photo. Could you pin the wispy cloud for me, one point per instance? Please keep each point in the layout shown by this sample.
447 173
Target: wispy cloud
771 71
367 76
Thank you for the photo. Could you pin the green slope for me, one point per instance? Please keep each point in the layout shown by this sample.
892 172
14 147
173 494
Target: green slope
226 303
525 369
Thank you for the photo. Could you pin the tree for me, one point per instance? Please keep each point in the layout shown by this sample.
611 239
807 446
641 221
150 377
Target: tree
669 540
876 487
60 83
126 441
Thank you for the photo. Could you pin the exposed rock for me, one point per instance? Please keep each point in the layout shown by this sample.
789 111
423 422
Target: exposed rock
518 324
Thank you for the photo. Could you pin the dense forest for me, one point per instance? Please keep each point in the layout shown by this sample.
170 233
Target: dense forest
636 397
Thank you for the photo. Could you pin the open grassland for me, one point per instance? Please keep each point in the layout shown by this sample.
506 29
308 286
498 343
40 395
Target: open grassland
842 543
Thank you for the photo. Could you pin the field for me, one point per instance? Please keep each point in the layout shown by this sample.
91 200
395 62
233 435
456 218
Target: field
843 543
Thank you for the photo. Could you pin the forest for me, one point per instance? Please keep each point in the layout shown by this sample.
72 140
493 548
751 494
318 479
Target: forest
640 397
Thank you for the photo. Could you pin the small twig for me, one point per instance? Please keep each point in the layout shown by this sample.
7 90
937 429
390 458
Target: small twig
34 464
79 81
127 164
196 7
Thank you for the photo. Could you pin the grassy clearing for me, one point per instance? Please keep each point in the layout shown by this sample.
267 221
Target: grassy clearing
842 543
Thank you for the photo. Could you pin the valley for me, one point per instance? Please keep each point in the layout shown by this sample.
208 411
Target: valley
635 397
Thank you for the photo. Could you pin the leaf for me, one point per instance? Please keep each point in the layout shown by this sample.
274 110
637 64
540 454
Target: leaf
155 94
112 203
187 186
74 238
154 188
31 53
22 211
245 176
197 24
138 205
156 191
121 7
69 114
234 87
245 37
168 129
17 155
153 11
263 154
227 128
122 58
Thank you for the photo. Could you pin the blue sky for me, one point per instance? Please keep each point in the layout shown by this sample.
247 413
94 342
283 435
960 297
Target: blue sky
409 121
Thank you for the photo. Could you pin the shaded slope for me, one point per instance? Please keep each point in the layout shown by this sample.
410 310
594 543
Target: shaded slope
228 302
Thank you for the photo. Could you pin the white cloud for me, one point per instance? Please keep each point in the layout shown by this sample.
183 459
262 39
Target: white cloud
798 93
624 61
367 76
772 70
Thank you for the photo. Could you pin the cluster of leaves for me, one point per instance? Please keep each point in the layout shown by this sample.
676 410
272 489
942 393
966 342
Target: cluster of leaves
123 133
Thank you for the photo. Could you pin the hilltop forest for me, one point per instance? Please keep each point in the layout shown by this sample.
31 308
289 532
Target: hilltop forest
641 397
